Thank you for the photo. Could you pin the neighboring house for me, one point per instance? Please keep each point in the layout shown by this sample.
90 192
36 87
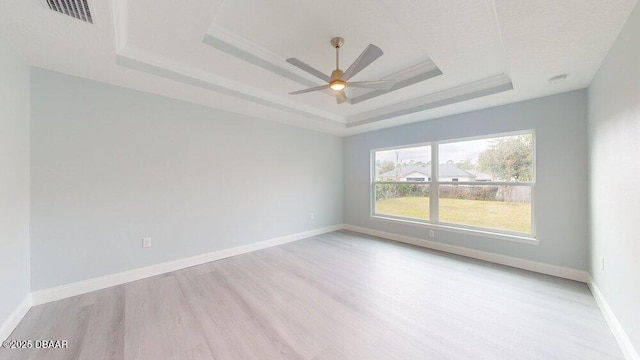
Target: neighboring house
480 176
448 172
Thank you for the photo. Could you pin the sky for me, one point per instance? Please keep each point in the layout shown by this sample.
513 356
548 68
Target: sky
458 151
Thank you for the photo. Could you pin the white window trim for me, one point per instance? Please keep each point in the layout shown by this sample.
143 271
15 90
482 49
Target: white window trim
434 185
515 237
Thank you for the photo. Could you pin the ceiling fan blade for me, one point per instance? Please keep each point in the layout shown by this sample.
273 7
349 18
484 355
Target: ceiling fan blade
369 55
303 91
382 84
341 97
313 71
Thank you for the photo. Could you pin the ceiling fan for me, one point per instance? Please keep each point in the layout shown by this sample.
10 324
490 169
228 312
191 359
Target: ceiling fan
339 80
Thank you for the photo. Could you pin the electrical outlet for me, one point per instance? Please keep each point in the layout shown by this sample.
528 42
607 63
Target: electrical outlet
146 242
602 263
432 233
312 215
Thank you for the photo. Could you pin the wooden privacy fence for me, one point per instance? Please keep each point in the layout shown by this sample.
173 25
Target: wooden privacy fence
514 193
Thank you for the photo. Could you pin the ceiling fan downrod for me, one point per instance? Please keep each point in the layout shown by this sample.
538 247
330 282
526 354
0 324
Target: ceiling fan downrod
337 43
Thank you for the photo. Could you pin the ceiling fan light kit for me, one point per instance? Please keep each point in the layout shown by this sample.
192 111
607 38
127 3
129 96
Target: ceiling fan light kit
337 85
339 80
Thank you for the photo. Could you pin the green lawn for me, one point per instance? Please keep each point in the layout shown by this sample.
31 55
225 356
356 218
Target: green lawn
488 214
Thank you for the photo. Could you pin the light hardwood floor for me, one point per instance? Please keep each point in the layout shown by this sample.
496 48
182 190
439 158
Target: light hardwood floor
336 296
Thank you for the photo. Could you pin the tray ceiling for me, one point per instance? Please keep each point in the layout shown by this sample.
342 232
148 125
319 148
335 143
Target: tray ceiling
448 56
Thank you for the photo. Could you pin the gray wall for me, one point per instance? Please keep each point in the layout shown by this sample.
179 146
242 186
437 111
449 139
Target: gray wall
14 181
561 169
614 139
111 166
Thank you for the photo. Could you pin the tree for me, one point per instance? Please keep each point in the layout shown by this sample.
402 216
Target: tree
414 162
384 166
466 164
509 159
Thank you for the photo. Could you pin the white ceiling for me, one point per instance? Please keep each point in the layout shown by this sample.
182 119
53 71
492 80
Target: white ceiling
229 54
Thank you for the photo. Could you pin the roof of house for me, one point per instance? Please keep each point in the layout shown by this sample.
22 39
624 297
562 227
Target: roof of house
480 176
445 170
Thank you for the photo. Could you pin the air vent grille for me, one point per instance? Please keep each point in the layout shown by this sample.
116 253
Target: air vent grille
78 9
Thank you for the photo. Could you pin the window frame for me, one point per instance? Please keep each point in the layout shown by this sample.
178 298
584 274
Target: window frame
434 188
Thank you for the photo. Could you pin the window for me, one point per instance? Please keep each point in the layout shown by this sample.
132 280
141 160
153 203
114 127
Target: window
478 184
394 196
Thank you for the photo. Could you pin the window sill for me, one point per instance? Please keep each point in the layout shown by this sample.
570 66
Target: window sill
522 239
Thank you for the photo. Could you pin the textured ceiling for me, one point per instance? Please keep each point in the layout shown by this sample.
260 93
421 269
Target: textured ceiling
230 54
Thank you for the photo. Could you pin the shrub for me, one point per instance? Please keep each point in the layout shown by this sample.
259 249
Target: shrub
469 192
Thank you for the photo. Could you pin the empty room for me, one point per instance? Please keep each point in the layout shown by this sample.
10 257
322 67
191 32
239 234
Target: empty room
246 179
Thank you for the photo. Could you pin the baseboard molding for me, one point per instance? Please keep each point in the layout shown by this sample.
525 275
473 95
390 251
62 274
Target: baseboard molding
548 269
624 342
82 287
14 319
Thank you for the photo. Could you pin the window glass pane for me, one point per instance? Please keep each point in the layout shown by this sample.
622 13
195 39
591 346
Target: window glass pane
408 164
403 200
487 206
506 158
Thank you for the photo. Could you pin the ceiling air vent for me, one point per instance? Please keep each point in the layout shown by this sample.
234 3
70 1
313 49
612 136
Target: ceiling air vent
78 9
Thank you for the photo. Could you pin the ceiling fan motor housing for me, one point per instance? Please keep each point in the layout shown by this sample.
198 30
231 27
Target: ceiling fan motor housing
336 82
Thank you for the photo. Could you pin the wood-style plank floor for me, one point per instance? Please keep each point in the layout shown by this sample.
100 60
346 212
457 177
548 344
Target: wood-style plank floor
336 296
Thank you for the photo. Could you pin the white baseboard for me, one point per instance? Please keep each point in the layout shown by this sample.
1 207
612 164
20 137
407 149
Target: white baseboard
82 287
624 342
548 269
7 327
